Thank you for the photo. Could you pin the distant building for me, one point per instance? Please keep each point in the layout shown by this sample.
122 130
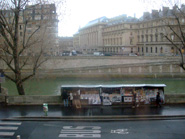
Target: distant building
46 17
125 35
42 18
65 44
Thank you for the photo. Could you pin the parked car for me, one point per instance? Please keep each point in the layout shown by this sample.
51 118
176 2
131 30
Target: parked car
132 54
98 54
66 53
107 54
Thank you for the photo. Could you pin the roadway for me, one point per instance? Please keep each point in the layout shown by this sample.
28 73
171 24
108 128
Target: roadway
150 129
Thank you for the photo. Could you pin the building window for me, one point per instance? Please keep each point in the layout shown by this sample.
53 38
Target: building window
146 49
156 37
151 50
29 25
182 20
20 27
120 41
142 38
146 38
155 49
161 50
156 30
151 38
138 38
161 36
131 50
142 49
131 41
138 49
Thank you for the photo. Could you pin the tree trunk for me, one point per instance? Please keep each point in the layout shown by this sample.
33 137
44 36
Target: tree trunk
20 88
19 83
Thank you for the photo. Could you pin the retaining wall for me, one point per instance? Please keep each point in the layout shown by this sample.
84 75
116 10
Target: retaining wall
107 66
57 100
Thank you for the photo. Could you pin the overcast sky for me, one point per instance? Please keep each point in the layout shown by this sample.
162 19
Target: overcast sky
79 12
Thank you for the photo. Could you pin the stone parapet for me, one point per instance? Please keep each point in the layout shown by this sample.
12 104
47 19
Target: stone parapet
57 100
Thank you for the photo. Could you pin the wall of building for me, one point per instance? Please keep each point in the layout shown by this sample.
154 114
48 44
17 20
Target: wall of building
144 36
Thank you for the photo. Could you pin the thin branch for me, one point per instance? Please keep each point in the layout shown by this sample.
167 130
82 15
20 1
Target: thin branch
10 78
25 62
8 63
37 64
29 38
175 33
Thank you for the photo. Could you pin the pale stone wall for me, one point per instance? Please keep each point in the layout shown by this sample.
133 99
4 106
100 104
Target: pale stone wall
108 66
33 100
51 100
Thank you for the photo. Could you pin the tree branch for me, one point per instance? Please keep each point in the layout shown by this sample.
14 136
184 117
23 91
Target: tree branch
10 78
8 63
37 64
26 45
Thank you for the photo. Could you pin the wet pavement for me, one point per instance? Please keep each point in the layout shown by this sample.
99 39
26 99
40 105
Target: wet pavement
59 111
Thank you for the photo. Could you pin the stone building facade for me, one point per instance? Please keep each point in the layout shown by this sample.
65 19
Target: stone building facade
65 44
42 22
129 35
45 17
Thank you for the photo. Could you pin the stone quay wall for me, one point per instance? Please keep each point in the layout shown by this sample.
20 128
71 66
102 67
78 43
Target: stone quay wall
98 66
57 100
113 66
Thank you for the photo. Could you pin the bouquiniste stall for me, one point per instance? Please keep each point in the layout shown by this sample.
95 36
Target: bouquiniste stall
115 93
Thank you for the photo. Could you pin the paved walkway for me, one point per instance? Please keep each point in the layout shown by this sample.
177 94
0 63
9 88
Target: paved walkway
60 111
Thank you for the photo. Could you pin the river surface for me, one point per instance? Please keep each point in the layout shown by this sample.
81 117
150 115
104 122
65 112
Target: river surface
51 86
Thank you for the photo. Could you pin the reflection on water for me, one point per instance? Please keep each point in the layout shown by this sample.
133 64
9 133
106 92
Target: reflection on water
51 86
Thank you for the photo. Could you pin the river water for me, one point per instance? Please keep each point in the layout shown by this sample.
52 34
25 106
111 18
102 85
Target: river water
51 86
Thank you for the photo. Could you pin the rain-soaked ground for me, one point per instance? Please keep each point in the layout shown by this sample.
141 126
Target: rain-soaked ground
57 110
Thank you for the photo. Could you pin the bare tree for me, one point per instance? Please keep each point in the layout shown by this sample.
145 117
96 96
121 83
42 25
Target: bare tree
174 26
175 33
25 48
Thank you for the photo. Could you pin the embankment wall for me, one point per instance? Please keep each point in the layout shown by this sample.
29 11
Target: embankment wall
57 100
90 66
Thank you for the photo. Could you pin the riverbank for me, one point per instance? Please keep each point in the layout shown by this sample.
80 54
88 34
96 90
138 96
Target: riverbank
57 100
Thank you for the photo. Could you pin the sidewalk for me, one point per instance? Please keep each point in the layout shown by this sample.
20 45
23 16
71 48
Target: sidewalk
101 112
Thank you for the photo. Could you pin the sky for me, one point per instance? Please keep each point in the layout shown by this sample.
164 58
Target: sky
79 12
